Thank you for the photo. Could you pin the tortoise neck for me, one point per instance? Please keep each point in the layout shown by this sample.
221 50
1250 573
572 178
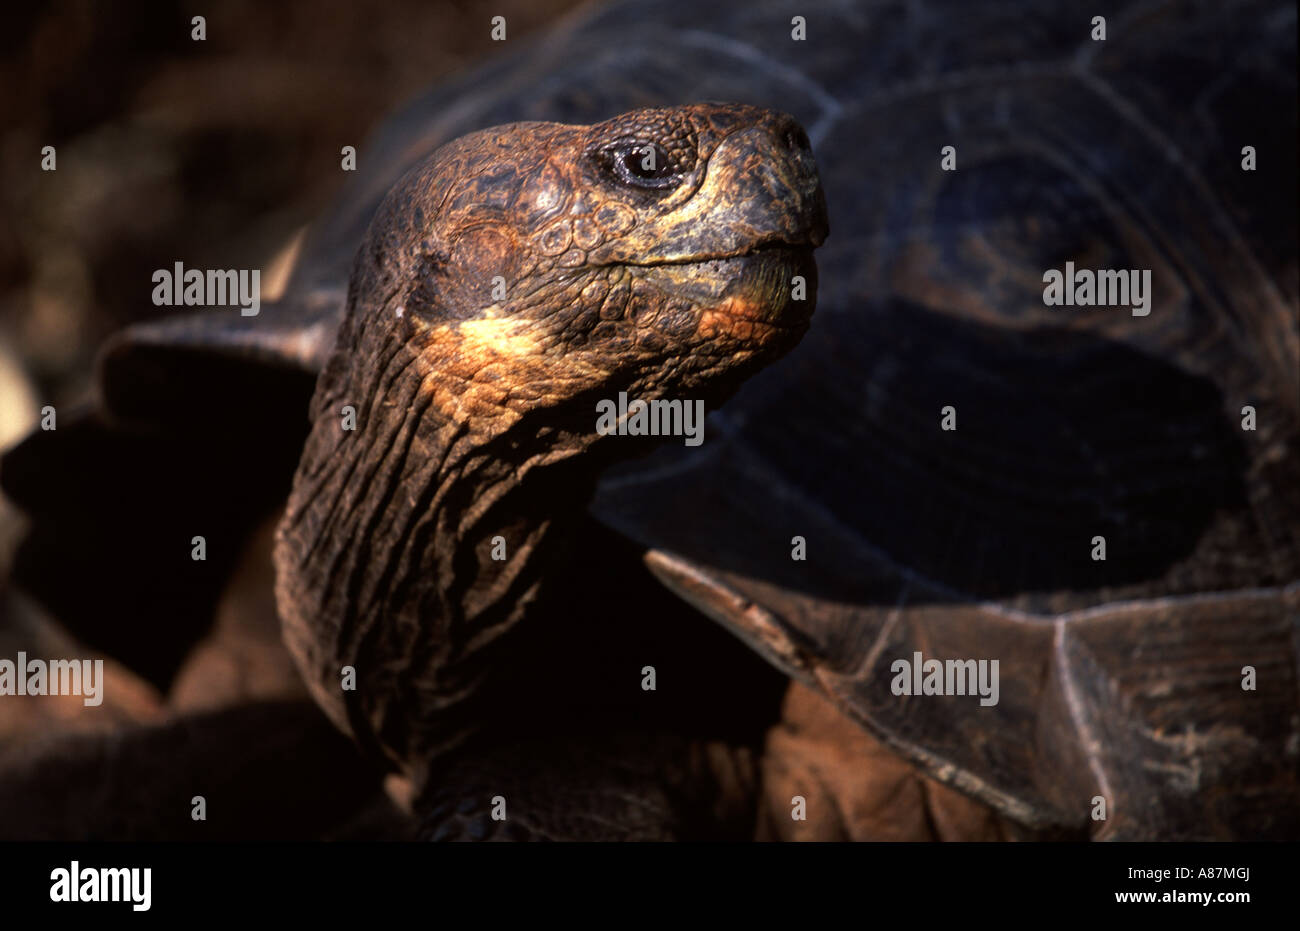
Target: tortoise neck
419 528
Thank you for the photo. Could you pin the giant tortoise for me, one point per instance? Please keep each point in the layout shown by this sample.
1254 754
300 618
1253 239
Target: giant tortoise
1044 551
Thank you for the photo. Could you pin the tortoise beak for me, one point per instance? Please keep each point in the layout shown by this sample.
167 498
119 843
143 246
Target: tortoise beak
779 192
766 178
760 189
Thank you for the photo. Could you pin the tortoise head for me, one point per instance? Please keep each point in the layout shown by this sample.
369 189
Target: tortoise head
504 284
665 250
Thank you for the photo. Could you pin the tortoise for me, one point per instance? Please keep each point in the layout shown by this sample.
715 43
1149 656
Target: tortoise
946 467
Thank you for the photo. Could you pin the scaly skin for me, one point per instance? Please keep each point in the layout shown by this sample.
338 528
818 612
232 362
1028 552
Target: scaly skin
476 416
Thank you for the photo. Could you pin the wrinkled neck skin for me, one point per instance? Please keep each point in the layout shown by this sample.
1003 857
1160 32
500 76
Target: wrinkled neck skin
385 555
475 411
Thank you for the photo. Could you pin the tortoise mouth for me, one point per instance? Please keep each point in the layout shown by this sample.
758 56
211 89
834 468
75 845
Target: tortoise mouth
764 294
772 285
760 248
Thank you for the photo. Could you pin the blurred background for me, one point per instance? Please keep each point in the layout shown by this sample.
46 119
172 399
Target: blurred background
212 153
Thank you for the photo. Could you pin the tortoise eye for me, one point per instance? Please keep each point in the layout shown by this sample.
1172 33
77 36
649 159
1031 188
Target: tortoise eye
643 165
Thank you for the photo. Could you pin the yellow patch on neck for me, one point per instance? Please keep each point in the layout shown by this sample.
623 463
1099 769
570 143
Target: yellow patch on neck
504 336
485 368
